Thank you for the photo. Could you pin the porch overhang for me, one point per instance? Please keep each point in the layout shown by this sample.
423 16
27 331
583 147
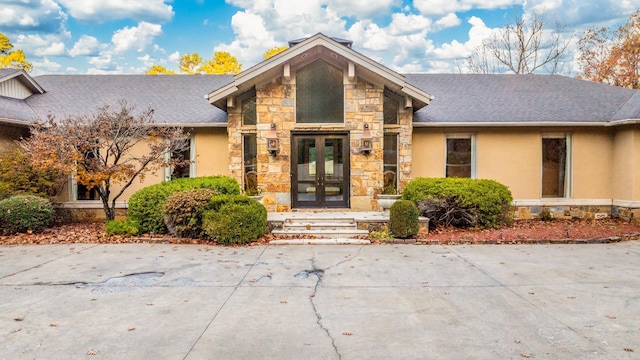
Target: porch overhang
307 51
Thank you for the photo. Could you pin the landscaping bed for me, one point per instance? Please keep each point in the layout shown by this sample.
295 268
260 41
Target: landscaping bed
521 231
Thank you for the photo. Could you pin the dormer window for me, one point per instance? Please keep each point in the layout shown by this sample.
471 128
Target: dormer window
319 94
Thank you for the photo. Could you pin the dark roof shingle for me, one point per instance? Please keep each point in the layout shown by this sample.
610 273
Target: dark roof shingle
175 99
481 98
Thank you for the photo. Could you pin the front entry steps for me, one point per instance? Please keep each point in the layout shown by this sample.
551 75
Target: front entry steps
320 230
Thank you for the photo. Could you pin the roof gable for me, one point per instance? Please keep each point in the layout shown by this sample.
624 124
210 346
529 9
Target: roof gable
309 50
17 84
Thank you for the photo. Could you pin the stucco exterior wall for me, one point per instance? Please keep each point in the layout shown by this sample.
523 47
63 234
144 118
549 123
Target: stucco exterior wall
513 157
211 147
593 155
626 174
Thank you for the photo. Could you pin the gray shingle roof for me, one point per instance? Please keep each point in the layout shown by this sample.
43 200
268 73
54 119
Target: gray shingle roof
175 99
476 98
459 98
16 111
7 71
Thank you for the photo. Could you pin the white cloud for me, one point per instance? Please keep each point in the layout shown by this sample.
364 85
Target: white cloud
31 15
86 46
403 24
102 62
442 7
42 45
147 60
448 21
45 67
175 57
100 10
582 13
55 49
457 50
137 37
361 8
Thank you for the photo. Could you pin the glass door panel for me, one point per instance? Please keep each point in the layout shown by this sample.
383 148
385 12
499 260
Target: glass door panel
320 171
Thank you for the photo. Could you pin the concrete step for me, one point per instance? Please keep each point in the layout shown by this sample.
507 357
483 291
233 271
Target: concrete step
320 220
337 241
314 233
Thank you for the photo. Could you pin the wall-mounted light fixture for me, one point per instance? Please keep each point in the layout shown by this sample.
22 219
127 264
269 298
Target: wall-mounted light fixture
366 141
272 140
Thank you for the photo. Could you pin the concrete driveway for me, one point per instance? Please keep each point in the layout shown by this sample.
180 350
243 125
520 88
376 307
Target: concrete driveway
150 301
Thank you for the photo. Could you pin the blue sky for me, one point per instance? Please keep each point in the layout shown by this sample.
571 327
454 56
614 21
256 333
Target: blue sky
128 36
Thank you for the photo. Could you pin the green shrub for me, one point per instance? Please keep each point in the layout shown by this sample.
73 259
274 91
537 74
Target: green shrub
403 219
460 201
145 205
24 213
17 176
234 219
183 212
126 227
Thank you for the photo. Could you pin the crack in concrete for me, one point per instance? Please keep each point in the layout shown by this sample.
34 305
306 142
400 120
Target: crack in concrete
319 273
48 262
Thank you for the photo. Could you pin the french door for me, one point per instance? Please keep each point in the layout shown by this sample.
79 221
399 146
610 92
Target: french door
320 170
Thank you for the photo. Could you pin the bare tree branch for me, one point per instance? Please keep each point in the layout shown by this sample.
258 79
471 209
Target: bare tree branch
521 48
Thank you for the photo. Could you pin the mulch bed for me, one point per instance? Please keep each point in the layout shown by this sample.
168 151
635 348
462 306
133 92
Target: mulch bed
521 232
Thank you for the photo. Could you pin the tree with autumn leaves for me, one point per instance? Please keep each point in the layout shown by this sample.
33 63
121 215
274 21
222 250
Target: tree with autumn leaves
221 63
12 58
105 151
612 56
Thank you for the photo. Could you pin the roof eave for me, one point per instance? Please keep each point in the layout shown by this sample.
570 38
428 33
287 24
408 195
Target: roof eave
512 124
25 79
319 39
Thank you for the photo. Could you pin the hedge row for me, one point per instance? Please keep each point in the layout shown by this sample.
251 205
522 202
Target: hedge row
145 205
460 201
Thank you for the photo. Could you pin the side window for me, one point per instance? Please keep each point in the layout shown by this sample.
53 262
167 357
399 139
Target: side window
184 170
390 175
460 155
84 192
319 94
390 109
249 115
556 165
250 164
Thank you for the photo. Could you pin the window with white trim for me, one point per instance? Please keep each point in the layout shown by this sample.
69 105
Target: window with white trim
184 170
556 165
460 155
390 175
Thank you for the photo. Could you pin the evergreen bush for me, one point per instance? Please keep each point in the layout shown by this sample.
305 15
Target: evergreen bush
403 219
183 212
24 213
145 205
234 219
460 201
126 227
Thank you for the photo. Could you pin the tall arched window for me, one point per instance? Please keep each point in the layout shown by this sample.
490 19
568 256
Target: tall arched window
319 94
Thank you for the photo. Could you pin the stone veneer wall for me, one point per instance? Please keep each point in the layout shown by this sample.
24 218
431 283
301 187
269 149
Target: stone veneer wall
275 103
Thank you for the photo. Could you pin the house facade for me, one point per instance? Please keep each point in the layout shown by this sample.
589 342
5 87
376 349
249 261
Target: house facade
320 126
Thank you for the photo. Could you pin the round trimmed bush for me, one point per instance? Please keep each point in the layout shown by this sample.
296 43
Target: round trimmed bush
24 213
234 219
403 219
183 212
460 201
145 205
